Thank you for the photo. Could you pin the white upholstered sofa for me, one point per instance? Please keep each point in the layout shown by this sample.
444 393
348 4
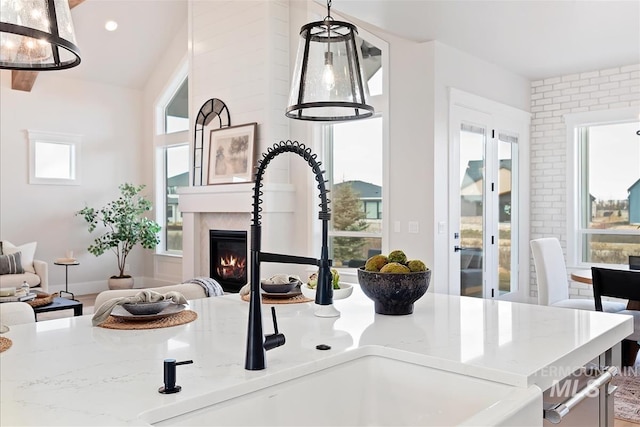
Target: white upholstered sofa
36 272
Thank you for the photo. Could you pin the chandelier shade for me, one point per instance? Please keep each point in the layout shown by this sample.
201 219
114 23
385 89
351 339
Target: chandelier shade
37 35
327 81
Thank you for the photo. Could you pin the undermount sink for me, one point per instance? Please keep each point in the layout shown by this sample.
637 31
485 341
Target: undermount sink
366 389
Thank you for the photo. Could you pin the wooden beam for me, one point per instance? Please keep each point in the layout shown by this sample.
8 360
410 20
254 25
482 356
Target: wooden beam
24 80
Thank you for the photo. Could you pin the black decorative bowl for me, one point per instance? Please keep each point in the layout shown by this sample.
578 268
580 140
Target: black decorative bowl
146 307
394 293
277 288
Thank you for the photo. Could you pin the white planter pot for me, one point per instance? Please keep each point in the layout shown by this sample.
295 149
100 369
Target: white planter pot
121 282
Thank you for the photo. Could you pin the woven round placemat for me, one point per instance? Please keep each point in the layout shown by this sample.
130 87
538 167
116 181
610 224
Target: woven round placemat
293 300
5 343
181 318
42 299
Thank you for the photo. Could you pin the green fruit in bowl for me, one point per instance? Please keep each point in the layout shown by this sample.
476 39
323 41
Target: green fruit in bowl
398 256
376 262
395 267
416 265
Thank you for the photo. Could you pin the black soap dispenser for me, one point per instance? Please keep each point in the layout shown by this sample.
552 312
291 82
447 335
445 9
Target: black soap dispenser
170 386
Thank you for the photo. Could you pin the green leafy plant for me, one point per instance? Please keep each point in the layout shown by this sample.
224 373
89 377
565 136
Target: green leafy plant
125 223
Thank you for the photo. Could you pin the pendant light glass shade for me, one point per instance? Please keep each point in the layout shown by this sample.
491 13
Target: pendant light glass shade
327 80
37 35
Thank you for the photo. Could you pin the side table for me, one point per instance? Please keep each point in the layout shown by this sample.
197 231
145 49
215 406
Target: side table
59 304
66 276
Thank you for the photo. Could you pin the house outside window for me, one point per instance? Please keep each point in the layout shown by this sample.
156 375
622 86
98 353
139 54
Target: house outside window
606 205
172 159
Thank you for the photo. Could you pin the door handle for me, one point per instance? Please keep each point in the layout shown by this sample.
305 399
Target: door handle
458 248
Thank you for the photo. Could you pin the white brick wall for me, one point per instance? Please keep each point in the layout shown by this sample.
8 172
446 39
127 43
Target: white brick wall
551 99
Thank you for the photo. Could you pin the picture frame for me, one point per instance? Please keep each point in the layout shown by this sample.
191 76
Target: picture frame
231 154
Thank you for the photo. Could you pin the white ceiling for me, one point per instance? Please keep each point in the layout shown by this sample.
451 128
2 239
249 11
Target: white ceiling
536 39
126 56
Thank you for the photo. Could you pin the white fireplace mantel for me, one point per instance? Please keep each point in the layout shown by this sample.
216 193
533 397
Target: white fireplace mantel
225 202
235 198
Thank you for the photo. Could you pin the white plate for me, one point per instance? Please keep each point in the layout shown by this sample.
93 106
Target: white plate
342 293
119 312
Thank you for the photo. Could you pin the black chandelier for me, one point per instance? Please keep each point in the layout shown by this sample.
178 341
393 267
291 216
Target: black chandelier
37 35
327 80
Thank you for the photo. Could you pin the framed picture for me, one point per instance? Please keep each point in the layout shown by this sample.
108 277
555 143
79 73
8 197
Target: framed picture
231 154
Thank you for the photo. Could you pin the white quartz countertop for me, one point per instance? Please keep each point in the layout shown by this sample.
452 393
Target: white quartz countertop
66 372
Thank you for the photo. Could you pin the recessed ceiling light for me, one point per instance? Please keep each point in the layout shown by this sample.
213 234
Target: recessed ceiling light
111 25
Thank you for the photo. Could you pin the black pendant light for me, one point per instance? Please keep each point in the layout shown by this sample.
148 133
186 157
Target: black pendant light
327 80
37 35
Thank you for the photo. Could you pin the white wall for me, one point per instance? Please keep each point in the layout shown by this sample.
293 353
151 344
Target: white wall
162 268
109 119
551 99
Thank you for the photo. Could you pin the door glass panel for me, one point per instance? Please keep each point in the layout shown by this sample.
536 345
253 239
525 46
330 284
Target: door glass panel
507 249
472 164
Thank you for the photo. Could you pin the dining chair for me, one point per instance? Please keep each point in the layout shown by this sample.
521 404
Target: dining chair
553 283
623 284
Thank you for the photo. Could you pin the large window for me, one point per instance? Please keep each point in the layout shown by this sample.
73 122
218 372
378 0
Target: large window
354 157
172 146
607 208
353 152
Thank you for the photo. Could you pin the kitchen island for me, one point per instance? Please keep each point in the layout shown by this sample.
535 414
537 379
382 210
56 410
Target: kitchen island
66 372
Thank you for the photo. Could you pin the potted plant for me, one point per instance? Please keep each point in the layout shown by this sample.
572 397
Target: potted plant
126 226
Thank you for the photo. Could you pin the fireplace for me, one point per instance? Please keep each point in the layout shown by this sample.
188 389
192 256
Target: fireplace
228 258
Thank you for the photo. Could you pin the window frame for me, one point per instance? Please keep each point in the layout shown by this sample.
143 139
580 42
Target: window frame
575 231
323 135
72 141
162 141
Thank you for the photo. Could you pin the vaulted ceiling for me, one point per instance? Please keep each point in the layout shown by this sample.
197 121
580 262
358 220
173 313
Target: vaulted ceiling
533 38
24 80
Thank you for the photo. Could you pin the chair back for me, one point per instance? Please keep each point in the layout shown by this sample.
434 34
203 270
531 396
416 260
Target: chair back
615 283
16 313
551 271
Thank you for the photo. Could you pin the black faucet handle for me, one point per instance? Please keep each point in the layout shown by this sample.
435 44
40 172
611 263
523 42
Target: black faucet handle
275 320
276 339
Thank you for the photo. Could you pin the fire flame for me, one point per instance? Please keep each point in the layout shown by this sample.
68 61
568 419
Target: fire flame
231 267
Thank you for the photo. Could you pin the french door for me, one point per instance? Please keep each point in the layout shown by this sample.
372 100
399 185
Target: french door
487 256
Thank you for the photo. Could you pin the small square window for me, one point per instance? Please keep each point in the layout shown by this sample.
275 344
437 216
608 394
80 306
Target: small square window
53 158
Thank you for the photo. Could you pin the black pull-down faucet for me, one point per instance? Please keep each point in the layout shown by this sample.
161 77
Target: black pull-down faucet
257 344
